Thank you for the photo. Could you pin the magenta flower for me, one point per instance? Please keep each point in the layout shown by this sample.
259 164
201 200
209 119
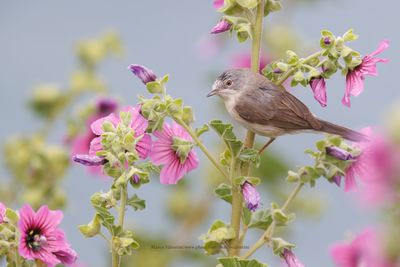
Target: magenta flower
291 259
218 4
318 87
364 250
138 123
243 60
144 74
88 160
41 239
2 212
338 153
174 150
222 26
355 78
251 196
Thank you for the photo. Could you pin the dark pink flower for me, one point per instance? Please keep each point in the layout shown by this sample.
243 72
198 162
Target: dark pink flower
144 74
338 153
291 259
243 60
221 26
174 150
138 123
251 196
355 78
218 3
364 250
41 239
2 212
318 87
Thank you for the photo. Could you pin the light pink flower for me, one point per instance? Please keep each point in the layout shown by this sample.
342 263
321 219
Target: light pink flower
243 60
41 239
138 123
2 212
318 87
163 153
222 26
291 259
218 3
251 196
372 164
364 250
355 78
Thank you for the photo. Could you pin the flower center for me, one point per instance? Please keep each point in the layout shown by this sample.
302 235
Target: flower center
182 148
35 239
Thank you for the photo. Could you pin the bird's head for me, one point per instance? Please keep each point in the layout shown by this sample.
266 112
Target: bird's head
230 83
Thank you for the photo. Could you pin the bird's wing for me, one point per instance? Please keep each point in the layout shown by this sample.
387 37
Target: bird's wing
269 105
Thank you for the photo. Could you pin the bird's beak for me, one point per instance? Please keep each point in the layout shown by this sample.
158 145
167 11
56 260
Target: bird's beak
214 89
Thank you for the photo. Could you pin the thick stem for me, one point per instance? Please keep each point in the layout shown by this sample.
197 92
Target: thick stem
255 67
116 259
202 147
270 230
234 246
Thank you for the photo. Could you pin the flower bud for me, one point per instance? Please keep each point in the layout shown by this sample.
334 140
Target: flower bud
337 179
251 196
144 74
222 26
338 153
291 259
89 160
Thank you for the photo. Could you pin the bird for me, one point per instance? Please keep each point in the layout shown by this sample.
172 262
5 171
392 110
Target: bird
268 109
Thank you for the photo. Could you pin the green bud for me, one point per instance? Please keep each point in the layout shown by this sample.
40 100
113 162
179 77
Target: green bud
187 115
182 148
272 6
278 245
350 36
92 229
155 87
243 31
292 58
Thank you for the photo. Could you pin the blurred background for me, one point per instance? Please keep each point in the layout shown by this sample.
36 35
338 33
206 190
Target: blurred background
40 45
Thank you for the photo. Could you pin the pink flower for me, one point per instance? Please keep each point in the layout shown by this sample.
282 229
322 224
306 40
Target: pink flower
41 239
218 4
2 212
364 251
318 87
174 150
222 26
355 78
291 259
138 123
251 196
243 60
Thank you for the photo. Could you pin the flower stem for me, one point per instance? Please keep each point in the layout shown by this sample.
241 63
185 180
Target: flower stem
291 70
237 205
270 230
116 259
202 147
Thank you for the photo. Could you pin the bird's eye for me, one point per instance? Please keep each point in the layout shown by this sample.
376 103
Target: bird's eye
228 82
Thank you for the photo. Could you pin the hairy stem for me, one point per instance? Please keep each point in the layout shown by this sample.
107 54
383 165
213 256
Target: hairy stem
202 147
270 230
116 259
237 205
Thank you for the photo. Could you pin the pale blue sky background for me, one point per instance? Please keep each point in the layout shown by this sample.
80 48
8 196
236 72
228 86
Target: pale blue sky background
36 42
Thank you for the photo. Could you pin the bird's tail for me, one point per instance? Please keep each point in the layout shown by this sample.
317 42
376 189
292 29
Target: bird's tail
344 132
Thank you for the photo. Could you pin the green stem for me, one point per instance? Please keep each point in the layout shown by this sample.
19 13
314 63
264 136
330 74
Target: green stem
17 258
234 246
116 259
202 147
291 70
270 230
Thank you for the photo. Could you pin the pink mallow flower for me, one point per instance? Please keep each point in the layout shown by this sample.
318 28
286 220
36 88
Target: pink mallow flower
41 239
218 4
243 60
355 78
291 259
138 123
174 150
222 26
251 196
318 87
364 250
2 212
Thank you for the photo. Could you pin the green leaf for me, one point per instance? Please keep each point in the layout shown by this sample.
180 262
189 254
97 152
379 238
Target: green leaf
272 6
250 4
261 219
242 179
350 36
218 233
250 155
225 131
224 192
244 31
91 229
279 245
12 216
136 203
155 87
199 131
188 116
237 262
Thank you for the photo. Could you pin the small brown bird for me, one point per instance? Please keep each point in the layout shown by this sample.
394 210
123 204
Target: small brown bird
269 110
